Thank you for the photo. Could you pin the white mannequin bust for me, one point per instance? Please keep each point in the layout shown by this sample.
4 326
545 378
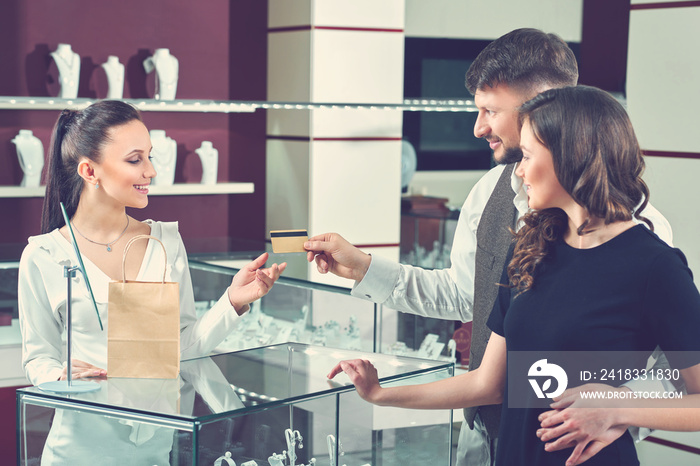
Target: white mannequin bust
115 77
167 68
164 157
68 63
210 162
30 152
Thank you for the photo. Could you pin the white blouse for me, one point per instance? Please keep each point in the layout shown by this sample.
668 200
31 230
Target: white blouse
42 303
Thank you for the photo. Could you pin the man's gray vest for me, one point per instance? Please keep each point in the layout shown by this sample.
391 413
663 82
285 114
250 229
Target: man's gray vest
493 238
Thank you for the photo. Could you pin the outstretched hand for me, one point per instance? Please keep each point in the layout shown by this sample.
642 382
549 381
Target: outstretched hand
334 254
363 375
82 370
574 422
252 282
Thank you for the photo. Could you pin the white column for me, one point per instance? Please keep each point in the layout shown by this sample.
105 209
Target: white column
336 169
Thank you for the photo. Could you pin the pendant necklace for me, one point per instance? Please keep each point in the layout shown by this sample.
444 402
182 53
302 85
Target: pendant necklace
109 244
166 68
68 62
162 156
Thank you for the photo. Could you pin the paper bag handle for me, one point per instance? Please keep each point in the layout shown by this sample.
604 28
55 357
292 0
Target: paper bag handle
128 245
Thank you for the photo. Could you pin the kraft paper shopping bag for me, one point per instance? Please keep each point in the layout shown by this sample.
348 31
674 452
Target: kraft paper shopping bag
144 326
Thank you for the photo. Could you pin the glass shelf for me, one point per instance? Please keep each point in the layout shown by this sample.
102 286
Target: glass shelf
146 105
177 189
236 106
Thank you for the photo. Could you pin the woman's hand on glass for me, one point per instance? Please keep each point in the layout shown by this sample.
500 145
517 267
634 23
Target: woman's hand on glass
82 370
363 375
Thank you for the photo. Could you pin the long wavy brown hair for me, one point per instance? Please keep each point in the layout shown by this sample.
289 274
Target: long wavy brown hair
597 160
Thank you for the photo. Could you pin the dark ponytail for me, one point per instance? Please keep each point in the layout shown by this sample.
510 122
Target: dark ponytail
77 134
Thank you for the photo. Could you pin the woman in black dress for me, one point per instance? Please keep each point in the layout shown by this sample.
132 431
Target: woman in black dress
582 276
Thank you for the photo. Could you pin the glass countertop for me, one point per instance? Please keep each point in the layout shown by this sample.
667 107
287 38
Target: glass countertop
233 384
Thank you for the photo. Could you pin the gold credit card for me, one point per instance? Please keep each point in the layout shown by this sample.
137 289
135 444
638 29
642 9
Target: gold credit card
284 241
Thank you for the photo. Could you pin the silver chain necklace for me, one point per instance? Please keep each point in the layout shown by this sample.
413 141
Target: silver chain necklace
109 244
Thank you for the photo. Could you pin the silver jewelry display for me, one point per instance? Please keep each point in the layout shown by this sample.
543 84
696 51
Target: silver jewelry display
210 162
68 63
164 154
115 77
30 152
109 244
226 458
293 439
167 68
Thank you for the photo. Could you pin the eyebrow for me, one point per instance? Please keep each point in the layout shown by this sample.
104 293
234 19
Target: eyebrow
138 151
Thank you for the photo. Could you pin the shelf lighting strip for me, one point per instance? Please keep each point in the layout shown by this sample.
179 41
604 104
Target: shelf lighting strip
236 106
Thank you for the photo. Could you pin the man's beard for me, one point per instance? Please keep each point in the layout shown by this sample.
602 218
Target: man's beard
510 155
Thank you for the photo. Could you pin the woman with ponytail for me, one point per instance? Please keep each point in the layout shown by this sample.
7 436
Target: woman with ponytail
582 278
99 164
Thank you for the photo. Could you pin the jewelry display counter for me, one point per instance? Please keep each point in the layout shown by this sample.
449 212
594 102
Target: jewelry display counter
301 310
269 405
297 309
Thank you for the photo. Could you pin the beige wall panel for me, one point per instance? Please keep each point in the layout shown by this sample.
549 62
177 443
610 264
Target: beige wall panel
477 19
287 185
356 123
357 66
355 190
289 66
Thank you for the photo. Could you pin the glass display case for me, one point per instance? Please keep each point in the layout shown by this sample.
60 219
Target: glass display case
296 309
271 405
300 310
9 316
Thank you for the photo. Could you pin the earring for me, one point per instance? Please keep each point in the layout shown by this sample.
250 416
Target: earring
97 185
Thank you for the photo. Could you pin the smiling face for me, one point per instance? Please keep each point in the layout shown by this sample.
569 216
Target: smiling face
125 170
537 171
497 121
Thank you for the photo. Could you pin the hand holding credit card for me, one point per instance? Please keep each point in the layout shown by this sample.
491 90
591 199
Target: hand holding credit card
284 241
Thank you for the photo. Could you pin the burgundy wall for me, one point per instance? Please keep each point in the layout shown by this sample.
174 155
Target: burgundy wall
221 47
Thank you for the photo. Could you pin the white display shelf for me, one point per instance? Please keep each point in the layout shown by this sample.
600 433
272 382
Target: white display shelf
178 189
146 105
235 106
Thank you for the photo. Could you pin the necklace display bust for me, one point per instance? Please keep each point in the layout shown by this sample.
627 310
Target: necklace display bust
68 63
210 162
115 77
30 152
167 68
164 157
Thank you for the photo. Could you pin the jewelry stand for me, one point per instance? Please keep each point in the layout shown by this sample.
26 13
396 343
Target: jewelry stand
115 77
30 152
210 162
68 63
167 68
69 385
164 154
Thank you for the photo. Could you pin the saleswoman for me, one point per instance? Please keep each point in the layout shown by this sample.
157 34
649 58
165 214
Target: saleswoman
99 164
